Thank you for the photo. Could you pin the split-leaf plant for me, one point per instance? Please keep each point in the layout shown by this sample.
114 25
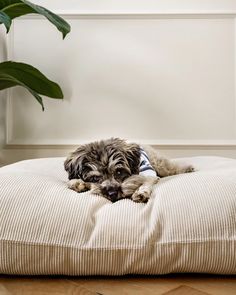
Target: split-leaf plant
22 74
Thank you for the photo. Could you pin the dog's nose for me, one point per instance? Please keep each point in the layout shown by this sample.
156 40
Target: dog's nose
112 193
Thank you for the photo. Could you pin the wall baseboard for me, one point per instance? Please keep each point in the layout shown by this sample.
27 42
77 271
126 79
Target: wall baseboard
163 144
15 153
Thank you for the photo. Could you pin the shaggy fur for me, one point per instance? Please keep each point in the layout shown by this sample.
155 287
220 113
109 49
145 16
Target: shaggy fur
110 168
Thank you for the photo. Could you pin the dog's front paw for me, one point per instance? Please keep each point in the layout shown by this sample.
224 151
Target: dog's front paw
189 169
140 196
78 185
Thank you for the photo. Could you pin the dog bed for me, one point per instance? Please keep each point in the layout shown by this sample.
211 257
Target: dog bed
188 225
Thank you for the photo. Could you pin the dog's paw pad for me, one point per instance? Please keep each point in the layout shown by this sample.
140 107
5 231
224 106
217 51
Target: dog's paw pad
77 185
140 197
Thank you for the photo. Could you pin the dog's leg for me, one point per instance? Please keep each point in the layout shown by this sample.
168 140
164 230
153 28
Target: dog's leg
79 185
165 167
143 193
131 184
139 187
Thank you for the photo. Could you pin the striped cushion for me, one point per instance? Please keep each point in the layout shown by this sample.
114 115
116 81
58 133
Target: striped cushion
187 226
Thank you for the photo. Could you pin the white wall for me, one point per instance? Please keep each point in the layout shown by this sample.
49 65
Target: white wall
157 72
2 95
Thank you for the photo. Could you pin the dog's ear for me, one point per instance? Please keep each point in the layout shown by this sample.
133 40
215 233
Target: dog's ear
73 163
132 152
70 168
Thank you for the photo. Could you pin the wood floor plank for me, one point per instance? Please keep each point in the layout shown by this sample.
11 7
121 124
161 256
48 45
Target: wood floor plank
4 291
175 284
212 284
108 286
216 285
128 284
39 286
185 290
158 285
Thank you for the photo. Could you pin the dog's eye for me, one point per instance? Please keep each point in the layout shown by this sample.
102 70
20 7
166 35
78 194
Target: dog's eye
121 173
94 178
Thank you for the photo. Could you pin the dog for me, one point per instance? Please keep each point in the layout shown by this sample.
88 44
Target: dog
117 170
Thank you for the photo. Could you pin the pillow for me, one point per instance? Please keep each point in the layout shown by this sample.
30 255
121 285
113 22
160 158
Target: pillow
188 225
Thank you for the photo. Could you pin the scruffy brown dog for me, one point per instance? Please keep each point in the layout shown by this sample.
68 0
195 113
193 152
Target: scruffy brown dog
116 169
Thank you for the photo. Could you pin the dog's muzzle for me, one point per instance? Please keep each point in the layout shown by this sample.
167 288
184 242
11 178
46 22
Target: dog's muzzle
112 192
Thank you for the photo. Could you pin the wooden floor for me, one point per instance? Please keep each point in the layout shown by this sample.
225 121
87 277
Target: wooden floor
184 284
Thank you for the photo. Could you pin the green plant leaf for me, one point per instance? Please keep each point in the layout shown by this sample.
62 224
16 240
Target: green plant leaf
14 73
9 81
6 20
4 3
16 8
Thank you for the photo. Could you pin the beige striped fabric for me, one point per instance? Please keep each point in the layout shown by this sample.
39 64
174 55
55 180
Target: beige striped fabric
189 224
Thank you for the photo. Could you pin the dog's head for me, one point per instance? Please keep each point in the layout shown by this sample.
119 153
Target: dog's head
106 164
